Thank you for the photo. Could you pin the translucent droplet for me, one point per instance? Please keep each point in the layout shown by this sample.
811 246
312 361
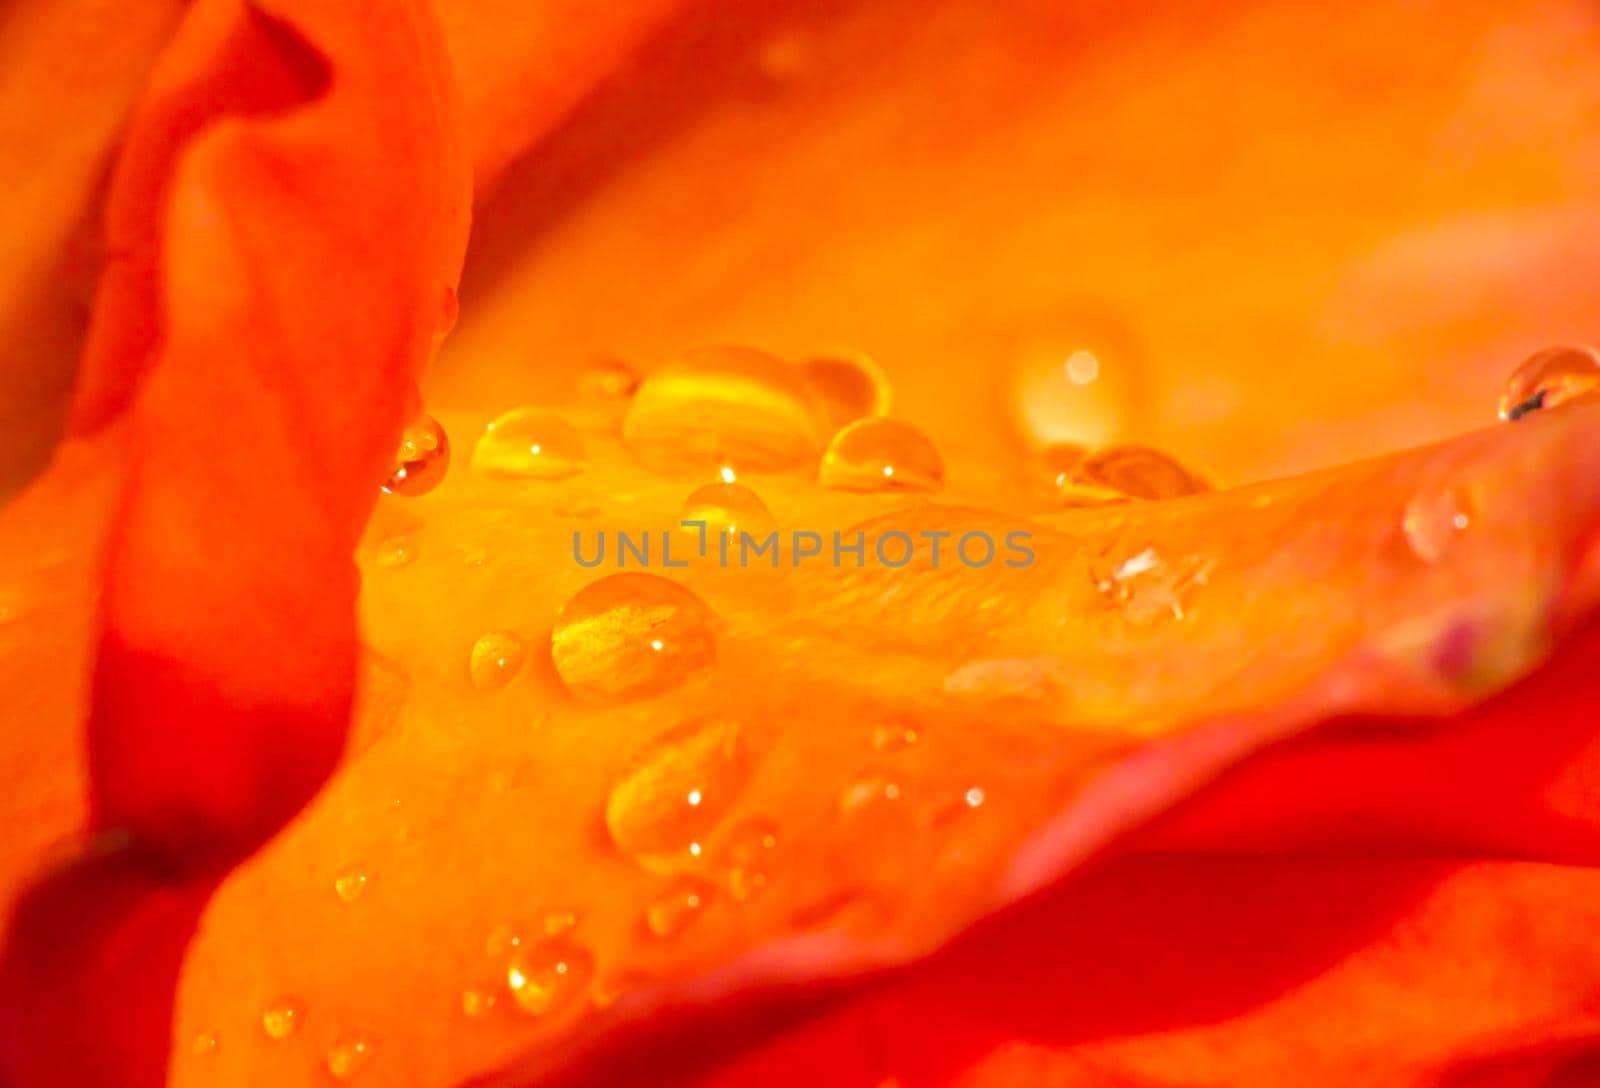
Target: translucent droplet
1059 460
549 975
894 736
677 789
477 1004
347 1056
726 508
852 386
495 659
1148 586
281 1019
502 940
396 551
528 444
422 459
203 1044
869 790
559 922
630 635
881 455
677 907
1119 473
1548 378
724 406
608 381
748 856
350 884
1433 520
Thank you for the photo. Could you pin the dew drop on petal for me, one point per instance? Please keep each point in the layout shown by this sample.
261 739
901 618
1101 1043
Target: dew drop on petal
559 922
851 386
396 551
748 855
1118 473
677 789
607 381
421 460
495 659
203 1044
1433 520
529 444
894 736
677 906
724 406
477 1004
281 1019
630 635
726 508
547 976
869 790
881 455
347 1056
349 884
501 940
1548 378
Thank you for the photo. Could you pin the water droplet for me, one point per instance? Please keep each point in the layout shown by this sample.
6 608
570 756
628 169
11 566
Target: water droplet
869 790
528 444
495 659
974 797
726 508
894 736
203 1044
1119 473
350 884
852 386
281 1019
724 406
559 922
1433 520
477 1004
1147 586
422 459
748 856
1548 378
396 551
1060 459
608 381
677 789
881 455
347 1056
605 640
677 907
549 975
501 940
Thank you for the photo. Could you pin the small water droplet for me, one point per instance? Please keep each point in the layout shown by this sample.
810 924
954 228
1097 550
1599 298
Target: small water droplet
502 939
748 856
347 1056
894 736
1433 520
726 508
477 1004
281 1019
396 551
1548 378
608 380
1119 473
549 975
559 922
528 444
869 790
881 455
604 640
204 1043
1148 586
422 459
495 659
724 406
676 789
350 884
852 386
677 907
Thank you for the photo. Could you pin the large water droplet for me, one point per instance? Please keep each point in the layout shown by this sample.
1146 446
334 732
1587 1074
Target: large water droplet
724 406
677 906
528 444
281 1019
881 455
726 508
629 635
677 789
421 460
1119 473
852 386
1548 378
347 1056
1432 521
549 975
495 659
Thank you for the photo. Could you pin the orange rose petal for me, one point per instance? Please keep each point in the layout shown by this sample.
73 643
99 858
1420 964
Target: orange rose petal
1074 711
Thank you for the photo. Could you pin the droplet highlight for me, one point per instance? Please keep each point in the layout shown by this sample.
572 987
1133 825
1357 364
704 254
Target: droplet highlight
631 635
550 975
1433 521
1548 378
881 455
529 444
495 659
725 508
422 459
677 789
